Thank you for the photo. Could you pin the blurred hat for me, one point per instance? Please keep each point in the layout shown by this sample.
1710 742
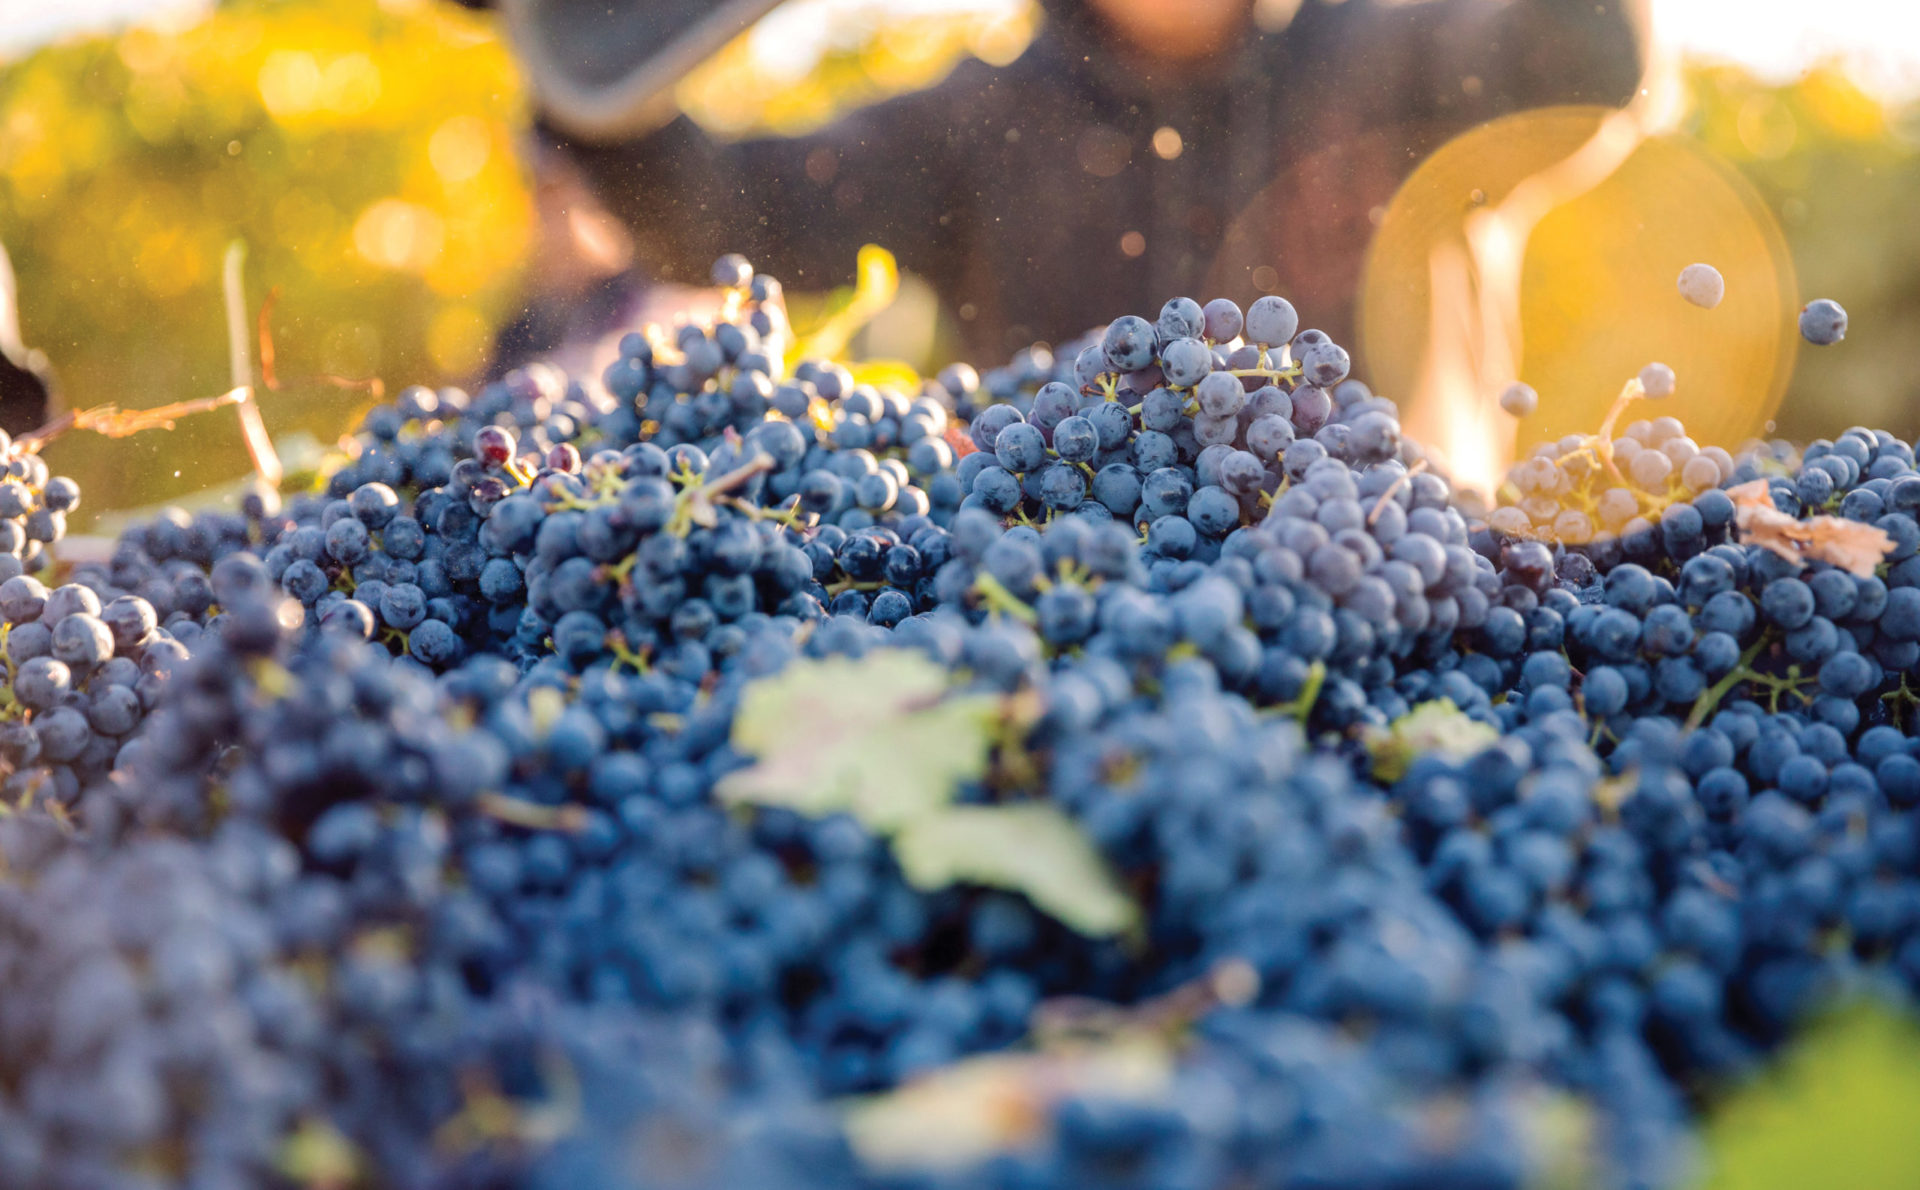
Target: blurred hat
605 69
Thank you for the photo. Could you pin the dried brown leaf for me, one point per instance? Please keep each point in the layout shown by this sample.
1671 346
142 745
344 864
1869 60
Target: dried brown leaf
1750 495
1850 545
1771 529
1853 546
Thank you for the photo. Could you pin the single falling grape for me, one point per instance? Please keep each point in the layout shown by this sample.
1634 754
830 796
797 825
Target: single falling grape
1520 400
1702 285
1656 381
732 271
1823 323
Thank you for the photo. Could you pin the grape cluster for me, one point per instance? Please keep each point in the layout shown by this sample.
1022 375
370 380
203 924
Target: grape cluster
82 676
1604 492
396 804
34 504
146 1023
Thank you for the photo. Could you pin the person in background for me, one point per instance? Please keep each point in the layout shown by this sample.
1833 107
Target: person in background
26 378
1105 169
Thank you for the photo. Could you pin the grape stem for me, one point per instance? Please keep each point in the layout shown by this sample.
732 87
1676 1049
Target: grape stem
619 571
10 707
1703 706
564 500
521 477
624 654
1290 372
695 505
1301 705
1901 705
531 815
1070 1020
995 595
1603 438
790 516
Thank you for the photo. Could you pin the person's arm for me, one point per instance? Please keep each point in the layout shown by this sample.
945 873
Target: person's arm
1469 60
798 207
1539 52
1443 66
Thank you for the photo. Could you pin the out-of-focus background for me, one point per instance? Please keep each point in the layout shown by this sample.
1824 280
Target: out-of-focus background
369 152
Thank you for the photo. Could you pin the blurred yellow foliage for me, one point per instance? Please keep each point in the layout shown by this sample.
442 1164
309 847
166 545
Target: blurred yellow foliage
364 149
1838 167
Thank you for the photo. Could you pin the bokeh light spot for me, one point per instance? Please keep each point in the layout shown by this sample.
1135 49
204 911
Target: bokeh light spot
289 83
350 85
458 149
399 235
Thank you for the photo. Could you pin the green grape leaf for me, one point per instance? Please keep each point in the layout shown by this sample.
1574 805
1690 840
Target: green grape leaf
872 737
882 739
962 1114
1029 848
1837 1109
1432 727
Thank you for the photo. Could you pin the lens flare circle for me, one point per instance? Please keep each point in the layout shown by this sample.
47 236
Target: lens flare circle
1597 297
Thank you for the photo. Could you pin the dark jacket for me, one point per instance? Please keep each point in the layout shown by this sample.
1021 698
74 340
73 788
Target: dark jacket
1011 188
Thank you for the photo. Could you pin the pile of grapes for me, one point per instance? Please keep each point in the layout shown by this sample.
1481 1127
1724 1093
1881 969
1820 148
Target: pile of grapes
1130 769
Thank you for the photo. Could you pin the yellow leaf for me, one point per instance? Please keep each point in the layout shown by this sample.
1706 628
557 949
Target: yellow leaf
877 281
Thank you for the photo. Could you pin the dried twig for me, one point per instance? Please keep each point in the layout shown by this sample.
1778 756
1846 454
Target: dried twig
265 461
268 379
372 385
269 375
114 422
